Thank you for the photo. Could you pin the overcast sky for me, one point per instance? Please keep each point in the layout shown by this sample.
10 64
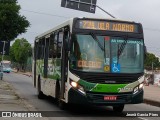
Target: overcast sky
143 11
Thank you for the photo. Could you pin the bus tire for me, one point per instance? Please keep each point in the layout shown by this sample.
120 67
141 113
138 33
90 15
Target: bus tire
61 104
57 93
118 109
40 93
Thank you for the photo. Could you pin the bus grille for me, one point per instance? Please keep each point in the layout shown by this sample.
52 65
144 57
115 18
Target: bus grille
108 78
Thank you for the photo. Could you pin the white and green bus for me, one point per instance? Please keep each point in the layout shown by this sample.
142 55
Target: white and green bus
91 61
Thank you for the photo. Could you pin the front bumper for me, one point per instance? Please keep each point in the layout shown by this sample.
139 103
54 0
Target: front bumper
8 71
76 97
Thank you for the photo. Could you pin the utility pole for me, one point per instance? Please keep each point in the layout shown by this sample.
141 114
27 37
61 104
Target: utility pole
4 43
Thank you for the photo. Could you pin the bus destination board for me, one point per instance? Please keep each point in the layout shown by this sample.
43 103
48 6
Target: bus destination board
107 25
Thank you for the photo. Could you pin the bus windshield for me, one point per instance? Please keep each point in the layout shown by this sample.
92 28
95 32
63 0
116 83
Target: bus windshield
100 53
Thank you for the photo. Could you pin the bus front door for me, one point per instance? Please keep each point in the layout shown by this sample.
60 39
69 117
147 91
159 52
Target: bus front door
64 65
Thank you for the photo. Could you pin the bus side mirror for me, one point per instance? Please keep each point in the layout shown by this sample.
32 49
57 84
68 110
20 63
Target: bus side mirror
145 52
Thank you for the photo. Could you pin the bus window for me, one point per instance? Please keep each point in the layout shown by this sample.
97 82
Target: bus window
42 48
55 45
52 52
60 39
39 52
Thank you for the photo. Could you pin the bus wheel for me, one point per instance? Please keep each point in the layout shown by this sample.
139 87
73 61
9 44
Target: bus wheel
118 109
39 92
61 104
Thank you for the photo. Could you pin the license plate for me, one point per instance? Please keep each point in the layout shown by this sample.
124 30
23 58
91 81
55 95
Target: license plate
110 98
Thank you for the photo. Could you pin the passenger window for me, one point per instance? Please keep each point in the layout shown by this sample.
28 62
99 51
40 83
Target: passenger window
59 44
52 51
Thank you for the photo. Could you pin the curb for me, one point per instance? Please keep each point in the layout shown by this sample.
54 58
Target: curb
151 102
29 75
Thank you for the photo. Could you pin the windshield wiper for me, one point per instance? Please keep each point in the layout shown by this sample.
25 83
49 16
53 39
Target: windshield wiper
121 48
99 44
95 38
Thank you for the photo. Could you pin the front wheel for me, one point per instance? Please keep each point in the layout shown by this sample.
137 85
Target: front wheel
61 104
118 109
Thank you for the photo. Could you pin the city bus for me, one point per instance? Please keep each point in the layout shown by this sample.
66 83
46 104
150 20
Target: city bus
91 61
6 66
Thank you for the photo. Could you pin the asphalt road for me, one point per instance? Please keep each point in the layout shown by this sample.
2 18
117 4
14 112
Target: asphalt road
24 88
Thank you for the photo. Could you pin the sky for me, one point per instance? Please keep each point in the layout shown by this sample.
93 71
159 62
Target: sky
46 14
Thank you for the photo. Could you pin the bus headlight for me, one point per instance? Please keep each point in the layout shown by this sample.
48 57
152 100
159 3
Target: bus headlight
141 86
77 86
135 90
81 89
74 84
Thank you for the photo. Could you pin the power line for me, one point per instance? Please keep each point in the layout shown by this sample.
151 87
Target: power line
153 47
42 13
152 29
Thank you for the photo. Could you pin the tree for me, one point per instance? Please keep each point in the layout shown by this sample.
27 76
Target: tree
20 51
6 57
151 59
11 22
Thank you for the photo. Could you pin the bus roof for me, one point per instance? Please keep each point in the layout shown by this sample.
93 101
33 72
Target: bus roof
6 61
70 22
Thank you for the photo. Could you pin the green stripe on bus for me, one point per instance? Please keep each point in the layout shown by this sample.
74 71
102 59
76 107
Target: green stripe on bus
109 88
86 85
106 88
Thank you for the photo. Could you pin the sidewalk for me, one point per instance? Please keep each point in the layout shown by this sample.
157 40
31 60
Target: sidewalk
11 102
9 99
152 95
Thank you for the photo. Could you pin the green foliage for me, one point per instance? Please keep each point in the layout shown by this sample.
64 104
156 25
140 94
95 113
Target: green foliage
151 58
20 51
6 57
11 22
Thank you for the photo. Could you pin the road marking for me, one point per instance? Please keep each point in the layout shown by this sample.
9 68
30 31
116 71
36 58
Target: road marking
142 118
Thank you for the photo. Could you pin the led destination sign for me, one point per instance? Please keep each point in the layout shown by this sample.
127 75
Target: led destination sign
107 25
